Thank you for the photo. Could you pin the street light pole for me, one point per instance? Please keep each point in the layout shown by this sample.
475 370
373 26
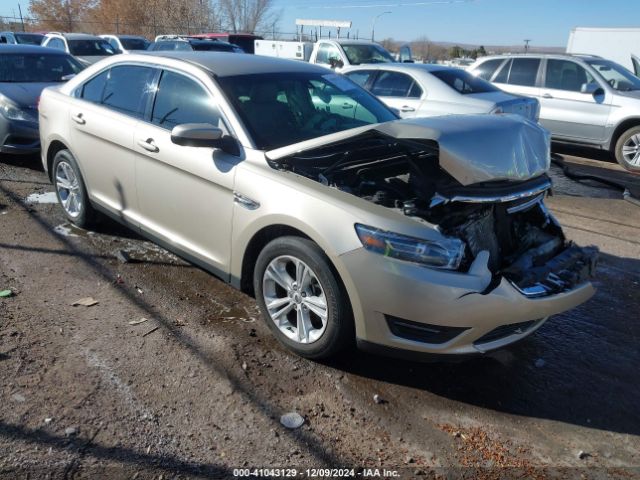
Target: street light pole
373 25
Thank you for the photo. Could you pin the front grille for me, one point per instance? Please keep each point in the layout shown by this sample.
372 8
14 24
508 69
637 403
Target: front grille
505 331
422 332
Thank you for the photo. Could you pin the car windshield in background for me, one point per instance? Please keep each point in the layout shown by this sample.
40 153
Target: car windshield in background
134 43
29 38
91 48
33 68
616 75
463 82
358 54
306 105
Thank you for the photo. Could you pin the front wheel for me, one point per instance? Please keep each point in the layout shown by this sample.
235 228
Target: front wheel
71 190
627 150
301 299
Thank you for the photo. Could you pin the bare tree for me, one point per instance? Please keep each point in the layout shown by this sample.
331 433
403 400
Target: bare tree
248 16
65 15
420 48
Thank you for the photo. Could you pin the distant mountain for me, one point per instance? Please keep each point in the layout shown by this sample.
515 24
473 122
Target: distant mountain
503 48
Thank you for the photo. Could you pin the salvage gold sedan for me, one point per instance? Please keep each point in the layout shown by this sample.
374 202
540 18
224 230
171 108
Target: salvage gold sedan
297 186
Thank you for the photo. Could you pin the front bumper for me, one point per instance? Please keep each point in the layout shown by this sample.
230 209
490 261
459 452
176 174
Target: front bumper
465 310
19 137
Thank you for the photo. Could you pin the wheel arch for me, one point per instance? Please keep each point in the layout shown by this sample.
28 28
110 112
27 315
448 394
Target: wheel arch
622 127
54 147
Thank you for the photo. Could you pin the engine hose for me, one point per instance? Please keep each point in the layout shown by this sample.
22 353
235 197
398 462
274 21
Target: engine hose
626 193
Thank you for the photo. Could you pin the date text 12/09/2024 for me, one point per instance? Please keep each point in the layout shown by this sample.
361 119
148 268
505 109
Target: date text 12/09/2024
316 473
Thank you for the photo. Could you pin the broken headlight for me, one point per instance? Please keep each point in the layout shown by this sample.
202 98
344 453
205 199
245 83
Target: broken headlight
446 253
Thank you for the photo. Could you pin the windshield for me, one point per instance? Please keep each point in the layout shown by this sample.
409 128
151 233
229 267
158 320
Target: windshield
31 68
280 109
357 54
134 43
91 48
463 82
29 38
616 75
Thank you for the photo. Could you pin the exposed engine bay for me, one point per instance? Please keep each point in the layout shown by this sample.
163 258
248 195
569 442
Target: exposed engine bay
506 218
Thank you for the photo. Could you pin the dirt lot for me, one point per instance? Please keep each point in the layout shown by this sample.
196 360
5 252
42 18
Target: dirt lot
198 388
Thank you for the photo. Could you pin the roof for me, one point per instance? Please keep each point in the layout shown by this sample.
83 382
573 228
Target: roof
401 67
539 55
21 48
216 35
227 64
75 36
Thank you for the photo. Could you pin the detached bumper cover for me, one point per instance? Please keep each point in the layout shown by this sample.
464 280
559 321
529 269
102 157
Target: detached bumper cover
388 288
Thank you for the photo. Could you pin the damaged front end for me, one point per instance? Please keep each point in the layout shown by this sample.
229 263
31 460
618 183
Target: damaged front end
480 179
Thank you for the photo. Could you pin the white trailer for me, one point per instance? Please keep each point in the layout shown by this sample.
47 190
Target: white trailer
622 45
284 49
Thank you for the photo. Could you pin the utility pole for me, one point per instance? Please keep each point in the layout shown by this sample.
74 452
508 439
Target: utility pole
21 19
373 25
526 45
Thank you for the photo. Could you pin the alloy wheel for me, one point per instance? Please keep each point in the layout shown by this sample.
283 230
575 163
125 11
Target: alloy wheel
631 150
68 187
295 299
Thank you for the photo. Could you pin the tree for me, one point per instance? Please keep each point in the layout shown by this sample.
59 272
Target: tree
456 52
420 48
64 15
248 16
481 51
390 45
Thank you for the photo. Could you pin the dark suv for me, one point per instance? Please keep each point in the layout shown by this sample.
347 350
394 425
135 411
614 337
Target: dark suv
193 44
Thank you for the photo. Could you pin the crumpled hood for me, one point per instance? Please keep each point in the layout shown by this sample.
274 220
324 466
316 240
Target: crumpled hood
473 148
23 94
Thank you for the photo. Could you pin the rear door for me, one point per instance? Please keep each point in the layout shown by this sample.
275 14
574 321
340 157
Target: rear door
565 111
399 91
520 75
104 116
185 193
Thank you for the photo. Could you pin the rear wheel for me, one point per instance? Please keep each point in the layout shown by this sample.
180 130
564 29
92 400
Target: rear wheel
627 150
301 299
71 191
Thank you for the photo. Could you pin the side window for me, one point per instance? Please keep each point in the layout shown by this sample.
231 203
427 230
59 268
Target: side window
326 52
416 91
524 71
122 89
486 69
114 43
392 84
361 77
92 90
503 74
566 75
182 100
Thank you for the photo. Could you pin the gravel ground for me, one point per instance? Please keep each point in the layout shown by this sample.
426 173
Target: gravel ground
173 374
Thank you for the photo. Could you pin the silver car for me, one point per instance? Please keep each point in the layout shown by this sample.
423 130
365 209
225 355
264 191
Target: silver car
424 90
422 235
584 100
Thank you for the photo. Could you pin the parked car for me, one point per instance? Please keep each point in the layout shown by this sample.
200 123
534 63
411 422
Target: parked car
127 43
185 44
421 90
86 48
584 100
426 235
25 70
22 38
244 40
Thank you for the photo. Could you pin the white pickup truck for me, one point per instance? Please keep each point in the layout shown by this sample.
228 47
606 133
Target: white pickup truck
333 53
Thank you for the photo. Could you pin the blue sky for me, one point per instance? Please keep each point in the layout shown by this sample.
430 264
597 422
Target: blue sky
487 22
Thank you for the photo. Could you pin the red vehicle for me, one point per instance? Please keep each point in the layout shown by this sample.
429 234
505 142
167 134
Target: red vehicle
243 40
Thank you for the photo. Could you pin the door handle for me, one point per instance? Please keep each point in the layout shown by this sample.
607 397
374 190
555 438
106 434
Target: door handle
149 145
78 119
407 108
347 106
547 95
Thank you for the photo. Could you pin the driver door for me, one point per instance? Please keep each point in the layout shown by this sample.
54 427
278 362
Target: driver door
185 194
399 91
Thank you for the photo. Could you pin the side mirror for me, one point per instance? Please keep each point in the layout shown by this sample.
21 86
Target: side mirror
591 89
204 135
336 63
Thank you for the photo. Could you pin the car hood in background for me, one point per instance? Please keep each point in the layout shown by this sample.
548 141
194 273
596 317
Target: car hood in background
23 94
90 60
472 148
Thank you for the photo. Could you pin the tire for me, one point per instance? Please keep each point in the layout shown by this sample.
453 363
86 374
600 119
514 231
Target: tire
627 145
321 338
71 190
